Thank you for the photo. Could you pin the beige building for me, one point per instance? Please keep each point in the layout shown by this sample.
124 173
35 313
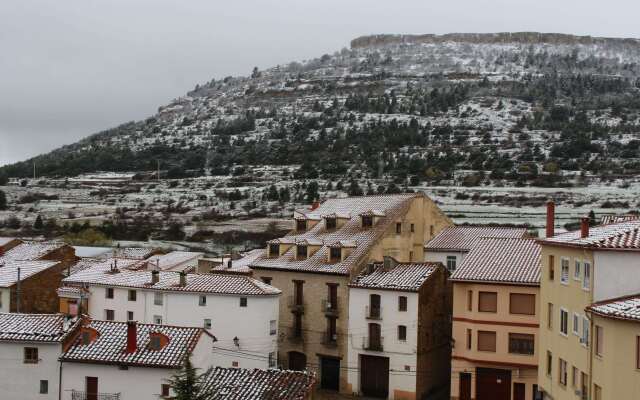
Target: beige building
496 320
580 268
314 264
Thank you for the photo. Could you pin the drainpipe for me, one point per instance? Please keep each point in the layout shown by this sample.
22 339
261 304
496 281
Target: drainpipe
60 381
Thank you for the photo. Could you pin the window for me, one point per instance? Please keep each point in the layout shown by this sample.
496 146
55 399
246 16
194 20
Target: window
374 306
562 370
243 301
549 363
274 250
398 228
564 322
330 223
564 270
207 323
586 279
585 331
577 270
413 228
109 315
298 290
158 299
469 339
402 333
367 221
430 230
411 256
301 225
154 342
129 315
30 355
520 343
469 300
575 376
521 303
335 254
576 324
550 315
132 295
332 296
266 279
164 390
108 293
86 337
584 381
202 301
638 352
597 392
486 341
301 251
488 302
157 319
273 327
599 337
272 359
451 263
44 386
552 266
402 303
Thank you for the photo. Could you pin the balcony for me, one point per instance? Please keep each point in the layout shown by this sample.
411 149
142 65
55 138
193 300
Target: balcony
78 395
329 309
374 312
373 343
295 336
330 340
295 305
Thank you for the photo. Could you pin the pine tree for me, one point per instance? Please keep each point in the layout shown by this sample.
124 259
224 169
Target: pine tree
38 224
188 384
3 200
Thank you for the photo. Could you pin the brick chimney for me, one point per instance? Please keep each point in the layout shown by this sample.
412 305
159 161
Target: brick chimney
155 277
183 279
132 337
584 227
315 205
551 218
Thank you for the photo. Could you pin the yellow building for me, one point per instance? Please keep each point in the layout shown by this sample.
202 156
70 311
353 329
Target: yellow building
616 348
580 268
314 264
496 320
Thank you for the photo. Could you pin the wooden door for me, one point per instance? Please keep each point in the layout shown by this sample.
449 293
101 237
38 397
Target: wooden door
330 370
518 391
374 376
91 388
465 386
297 361
493 384
375 339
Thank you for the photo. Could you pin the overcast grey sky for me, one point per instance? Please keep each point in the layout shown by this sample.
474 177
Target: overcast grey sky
69 68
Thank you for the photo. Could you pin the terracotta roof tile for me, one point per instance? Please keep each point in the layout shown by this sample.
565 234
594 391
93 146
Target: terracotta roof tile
9 270
501 260
617 236
30 251
627 308
403 276
461 238
46 328
257 384
171 261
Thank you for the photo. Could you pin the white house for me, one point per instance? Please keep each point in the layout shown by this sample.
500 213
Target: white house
110 360
30 345
186 261
241 312
452 244
399 330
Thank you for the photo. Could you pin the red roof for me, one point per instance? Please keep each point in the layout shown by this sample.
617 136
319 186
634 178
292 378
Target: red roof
626 308
461 238
257 384
618 236
403 276
501 260
45 328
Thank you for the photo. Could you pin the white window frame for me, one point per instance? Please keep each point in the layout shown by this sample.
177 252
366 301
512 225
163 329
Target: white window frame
586 328
207 324
577 270
454 261
202 301
273 359
564 311
273 327
575 322
158 298
564 276
157 319
586 276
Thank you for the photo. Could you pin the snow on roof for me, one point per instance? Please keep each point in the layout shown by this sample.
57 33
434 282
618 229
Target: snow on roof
403 276
9 270
258 384
133 253
101 275
392 206
91 252
30 251
626 308
111 342
6 240
105 264
501 260
47 328
241 264
614 219
617 236
173 261
461 238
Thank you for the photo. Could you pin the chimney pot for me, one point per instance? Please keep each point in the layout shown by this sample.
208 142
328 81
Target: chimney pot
155 277
132 337
584 227
551 218
183 279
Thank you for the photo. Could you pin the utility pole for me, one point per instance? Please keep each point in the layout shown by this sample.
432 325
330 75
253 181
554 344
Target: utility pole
18 294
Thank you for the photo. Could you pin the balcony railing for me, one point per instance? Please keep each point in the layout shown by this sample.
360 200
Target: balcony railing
78 395
373 343
329 308
374 312
295 305
330 339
